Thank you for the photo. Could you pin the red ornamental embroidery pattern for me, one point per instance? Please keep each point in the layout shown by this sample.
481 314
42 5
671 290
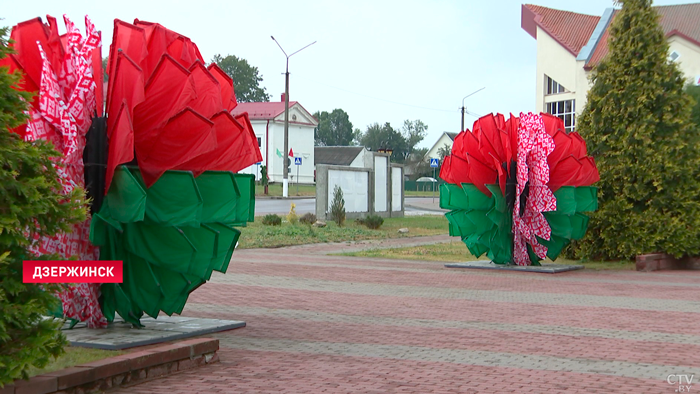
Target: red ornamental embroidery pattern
534 146
63 116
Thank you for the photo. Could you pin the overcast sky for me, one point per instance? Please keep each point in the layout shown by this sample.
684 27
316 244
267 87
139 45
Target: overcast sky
379 60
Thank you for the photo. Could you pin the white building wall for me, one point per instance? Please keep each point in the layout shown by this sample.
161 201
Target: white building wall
689 61
276 142
583 85
363 159
555 61
301 141
359 161
259 130
442 141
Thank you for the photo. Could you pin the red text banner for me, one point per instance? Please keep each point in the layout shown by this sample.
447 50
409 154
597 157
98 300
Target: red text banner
68 271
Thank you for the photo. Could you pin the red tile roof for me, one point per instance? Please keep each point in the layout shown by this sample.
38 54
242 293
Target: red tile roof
570 29
261 111
682 20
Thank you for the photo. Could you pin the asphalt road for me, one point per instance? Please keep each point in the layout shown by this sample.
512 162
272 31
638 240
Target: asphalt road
263 206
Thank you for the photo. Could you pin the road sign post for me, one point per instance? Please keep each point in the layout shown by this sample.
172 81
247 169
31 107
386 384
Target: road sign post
434 163
297 162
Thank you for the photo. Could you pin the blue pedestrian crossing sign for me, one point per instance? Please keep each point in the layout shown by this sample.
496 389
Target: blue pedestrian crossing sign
434 163
297 161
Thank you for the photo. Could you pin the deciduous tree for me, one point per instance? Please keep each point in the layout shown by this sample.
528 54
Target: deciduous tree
444 151
246 81
334 129
384 136
403 142
413 133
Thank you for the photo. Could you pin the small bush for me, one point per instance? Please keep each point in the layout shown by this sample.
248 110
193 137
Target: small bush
292 215
308 218
372 221
338 206
272 220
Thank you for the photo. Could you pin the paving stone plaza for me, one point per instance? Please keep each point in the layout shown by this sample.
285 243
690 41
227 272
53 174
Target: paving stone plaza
335 324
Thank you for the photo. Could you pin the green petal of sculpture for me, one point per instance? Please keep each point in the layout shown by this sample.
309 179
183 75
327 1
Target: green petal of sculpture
171 236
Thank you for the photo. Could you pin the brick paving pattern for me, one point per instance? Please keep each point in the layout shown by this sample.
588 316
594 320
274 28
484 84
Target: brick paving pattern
335 324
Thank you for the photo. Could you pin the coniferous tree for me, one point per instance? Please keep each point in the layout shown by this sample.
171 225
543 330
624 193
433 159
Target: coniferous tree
337 207
694 92
637 126
29 202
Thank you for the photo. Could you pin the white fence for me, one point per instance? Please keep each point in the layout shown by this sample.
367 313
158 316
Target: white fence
366 191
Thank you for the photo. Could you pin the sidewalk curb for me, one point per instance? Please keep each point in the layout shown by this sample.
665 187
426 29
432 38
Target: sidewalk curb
438 210
127 369
284 198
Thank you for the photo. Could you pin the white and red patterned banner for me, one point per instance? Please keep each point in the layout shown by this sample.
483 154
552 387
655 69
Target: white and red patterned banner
534 146
66 105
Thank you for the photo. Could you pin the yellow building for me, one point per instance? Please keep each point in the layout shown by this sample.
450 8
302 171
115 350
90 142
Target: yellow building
569 45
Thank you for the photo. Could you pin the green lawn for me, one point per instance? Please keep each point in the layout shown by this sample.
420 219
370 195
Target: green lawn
411 193
255 235
74 356
456 251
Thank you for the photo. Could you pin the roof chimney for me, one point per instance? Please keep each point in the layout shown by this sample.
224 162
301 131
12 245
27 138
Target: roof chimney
282 97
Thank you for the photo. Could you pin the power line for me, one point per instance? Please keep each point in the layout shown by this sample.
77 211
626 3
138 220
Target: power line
380 99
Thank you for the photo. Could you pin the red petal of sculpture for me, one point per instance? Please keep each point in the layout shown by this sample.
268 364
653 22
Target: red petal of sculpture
247 144
121 141
185 136
208 101
228 96
176 80
547 159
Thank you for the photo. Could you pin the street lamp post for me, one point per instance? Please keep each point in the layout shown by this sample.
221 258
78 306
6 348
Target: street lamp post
464 108
285 170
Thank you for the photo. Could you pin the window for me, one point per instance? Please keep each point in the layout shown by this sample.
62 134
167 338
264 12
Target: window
553 87
674 56
566 111
259 142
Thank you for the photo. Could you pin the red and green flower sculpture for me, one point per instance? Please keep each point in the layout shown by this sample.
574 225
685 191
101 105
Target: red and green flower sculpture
169 189
518 189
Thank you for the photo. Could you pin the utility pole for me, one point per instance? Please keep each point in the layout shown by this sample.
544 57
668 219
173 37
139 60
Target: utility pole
463 108
285 157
